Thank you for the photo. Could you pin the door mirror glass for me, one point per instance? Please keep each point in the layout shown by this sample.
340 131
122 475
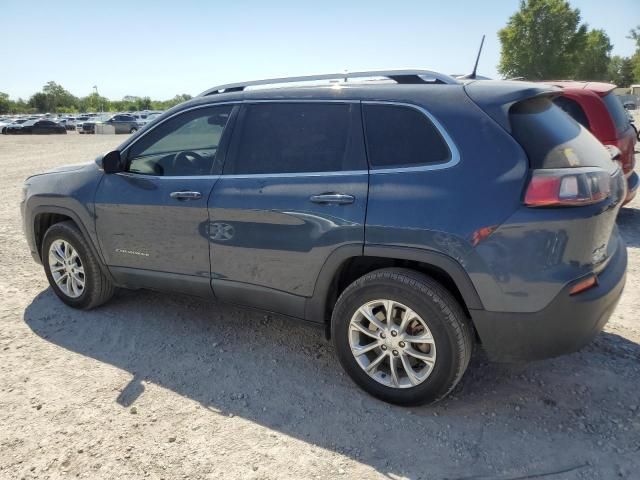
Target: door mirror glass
111 162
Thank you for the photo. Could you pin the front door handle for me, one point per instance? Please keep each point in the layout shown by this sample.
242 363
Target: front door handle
335 198
185 195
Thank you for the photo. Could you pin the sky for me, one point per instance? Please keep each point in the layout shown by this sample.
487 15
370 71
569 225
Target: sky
163 48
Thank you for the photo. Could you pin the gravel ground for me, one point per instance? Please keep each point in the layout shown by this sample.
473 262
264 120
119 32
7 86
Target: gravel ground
161 386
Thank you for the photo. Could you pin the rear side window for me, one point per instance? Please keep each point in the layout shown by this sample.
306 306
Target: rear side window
297 138
574 109
617 112
399 136
553 139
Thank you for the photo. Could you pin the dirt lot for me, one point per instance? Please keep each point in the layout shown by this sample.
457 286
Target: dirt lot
160 386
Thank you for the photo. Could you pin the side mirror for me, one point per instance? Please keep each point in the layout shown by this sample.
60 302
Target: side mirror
111 162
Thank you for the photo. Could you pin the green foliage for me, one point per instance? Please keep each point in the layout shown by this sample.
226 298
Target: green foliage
594 59
5 103
620 71
55 99
634 34
542 40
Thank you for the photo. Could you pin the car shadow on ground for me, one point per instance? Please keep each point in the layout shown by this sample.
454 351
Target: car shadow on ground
629 223
284 376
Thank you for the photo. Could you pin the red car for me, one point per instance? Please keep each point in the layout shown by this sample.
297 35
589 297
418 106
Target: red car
595 106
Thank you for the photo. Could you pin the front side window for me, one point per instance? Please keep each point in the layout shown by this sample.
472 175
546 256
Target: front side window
400 136
185 145
297 138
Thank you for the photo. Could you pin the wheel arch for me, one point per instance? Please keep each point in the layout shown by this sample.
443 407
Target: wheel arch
348 263
44 216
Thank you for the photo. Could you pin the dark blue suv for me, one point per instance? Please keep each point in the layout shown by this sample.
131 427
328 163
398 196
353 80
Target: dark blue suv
410 214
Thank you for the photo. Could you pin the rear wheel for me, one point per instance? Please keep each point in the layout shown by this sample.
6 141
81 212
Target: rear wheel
72 269
133 130
401 336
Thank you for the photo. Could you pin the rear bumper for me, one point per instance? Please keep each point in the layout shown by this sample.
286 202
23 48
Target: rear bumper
632 187
567 324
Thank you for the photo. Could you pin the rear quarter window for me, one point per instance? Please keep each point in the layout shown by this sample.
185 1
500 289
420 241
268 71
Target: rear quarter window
553 139
400 136
574 109
617 112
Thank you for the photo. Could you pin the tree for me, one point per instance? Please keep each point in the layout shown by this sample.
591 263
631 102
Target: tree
5 103
59 97
542 40
620 71
41 102
634 34
594 59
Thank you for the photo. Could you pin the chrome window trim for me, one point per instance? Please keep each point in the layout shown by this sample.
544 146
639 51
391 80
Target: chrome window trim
453 161
161 177
455 153
329 173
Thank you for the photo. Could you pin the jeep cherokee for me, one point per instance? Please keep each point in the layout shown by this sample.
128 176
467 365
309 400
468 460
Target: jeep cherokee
412 215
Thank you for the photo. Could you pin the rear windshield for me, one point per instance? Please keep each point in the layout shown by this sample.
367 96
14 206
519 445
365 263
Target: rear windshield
552 139
617 112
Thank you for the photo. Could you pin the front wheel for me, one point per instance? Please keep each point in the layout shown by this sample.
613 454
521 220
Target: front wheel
72 269
133 130
401 336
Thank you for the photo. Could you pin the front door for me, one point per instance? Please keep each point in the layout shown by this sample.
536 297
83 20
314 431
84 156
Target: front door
152 218
294 190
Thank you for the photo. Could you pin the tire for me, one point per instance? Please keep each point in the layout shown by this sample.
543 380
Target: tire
97 289
439 312
133 130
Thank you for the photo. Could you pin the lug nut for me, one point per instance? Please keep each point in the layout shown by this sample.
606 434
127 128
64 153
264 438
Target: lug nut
395 353
383 347
382 335
401 344
394 333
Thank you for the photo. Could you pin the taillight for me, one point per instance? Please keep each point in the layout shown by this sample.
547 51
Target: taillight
567 187
627 162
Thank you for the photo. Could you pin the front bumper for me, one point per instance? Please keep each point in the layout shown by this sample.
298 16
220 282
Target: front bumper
567 324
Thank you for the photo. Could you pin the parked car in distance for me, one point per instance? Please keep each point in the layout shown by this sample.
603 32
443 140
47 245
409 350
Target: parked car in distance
412 218
124 123
148 118
36 127
67 123
79 121
597 108
15 122
632 112
89 125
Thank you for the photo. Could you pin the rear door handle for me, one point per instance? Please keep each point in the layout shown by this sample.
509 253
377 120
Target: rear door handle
185 195
335 198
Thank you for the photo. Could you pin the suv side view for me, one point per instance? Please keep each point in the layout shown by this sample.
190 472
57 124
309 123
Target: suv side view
411 215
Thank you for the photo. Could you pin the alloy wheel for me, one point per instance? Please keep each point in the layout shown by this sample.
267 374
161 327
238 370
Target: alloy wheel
66 268
392 344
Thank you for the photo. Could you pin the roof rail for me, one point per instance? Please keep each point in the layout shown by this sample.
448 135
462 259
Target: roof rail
399 76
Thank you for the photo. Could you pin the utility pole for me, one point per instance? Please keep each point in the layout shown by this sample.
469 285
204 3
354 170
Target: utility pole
95 87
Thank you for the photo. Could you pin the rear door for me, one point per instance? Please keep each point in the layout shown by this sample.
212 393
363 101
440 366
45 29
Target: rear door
294 190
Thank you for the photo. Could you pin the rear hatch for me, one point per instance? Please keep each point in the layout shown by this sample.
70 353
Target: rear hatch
570 169
566 223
